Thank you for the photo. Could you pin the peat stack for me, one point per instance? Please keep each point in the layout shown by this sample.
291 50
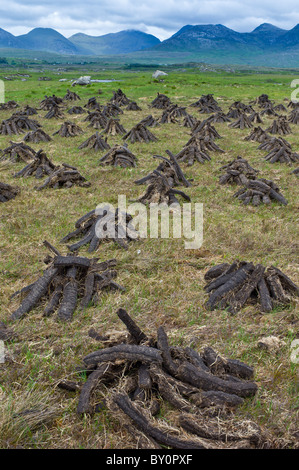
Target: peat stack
279 126
69 129
149 121
111 110
97 226
159 191
161 102
197 149
206 100
49 101
76 110
68 282
170 169
294 116
119 98
114 127
29 111
140 133
258 135
269 111
18 124
205 129
243 122
54 112
189 121
9 105
237 172
96 119
37 136
71 96
262 101
64 176
244 108
18 151
92 103
96 143
171 113
279 151
8 192
241 283
219 117
133 106
139 372
255 118
40 166
119 155
260 191
280 108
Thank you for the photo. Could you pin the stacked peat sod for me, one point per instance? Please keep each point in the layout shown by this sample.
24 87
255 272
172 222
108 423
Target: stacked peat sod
279 151
9 105
71 96
29 111
143 373
64 176
55 111
161 102
197 148
18 151
39 167
258 135
170 169
149 121
294 116
37 136
243 122
160 191
111 110
255 118
8 192
139 133
119 155
76 110
269 110
237 172
260 191
279 126
233 286
67 282
206 104
114 127
92 104
49 101
189 121
96 119
133 106
119 98
18 124
69 129
171 113
95 142
100 225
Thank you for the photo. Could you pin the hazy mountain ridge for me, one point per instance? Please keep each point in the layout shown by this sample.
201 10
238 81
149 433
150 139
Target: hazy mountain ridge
266 45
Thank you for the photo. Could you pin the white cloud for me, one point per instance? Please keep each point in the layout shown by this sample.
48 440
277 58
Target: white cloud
97 17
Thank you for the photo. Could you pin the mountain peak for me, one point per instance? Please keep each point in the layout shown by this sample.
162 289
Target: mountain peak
267 27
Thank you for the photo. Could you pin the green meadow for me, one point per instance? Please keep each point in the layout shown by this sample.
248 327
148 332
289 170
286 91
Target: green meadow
164 282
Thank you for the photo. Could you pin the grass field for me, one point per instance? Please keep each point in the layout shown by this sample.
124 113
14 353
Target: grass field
163 281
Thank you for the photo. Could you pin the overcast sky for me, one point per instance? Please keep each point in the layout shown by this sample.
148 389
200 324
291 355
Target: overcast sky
159 17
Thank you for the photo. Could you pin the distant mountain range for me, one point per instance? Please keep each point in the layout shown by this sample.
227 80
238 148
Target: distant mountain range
265 45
